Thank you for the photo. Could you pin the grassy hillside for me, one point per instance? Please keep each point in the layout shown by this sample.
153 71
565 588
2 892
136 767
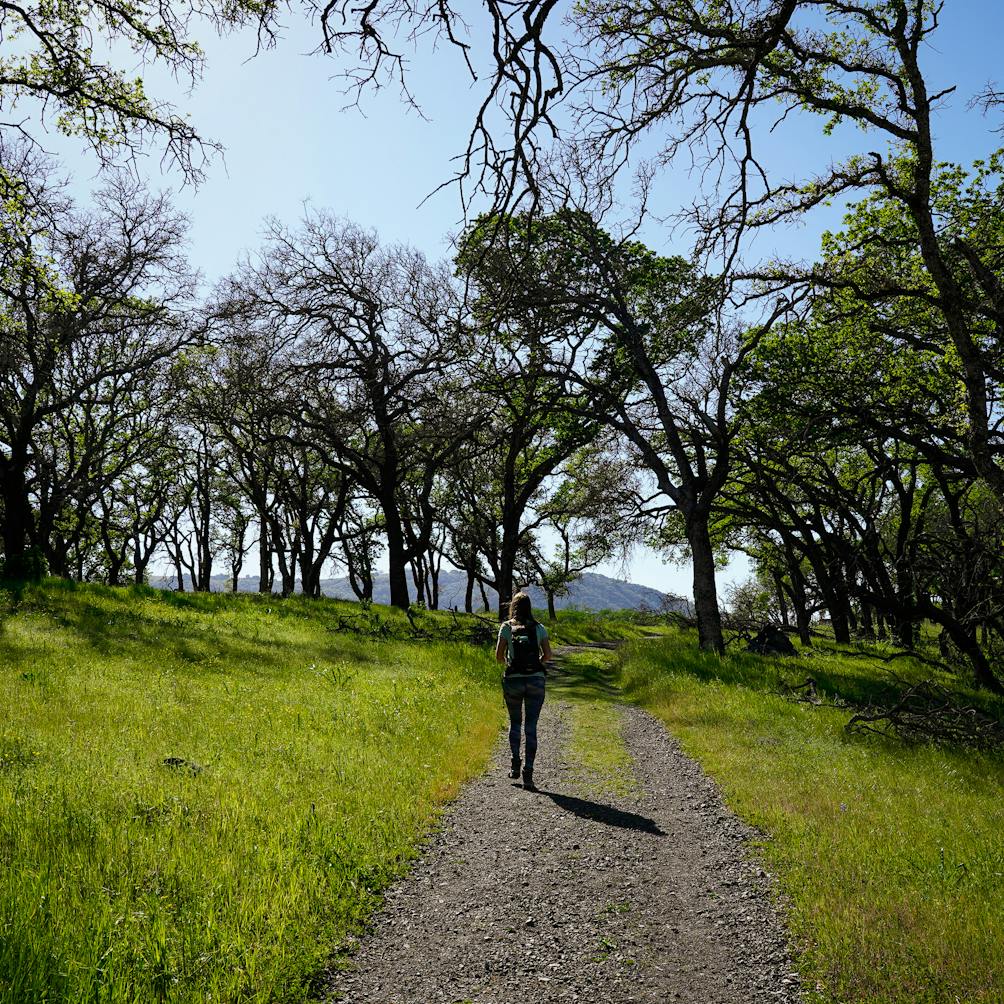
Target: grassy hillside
891 855
577 627
201 795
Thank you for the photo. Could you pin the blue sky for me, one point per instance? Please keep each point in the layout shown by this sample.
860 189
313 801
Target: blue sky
290 140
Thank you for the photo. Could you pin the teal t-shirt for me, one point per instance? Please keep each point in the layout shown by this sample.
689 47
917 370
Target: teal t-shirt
505 633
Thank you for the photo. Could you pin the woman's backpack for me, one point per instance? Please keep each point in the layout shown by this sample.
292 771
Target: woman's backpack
525 650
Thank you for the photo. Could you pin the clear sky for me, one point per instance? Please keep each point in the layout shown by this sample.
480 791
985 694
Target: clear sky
290 140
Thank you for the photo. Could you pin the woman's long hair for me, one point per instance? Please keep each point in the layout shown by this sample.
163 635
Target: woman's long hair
520 610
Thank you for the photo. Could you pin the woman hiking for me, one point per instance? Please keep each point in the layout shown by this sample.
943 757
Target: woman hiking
524 648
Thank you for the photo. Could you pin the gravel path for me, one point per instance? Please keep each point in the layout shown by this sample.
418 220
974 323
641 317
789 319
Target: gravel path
565 894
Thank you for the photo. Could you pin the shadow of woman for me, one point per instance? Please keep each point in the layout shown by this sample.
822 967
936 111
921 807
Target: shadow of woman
606 814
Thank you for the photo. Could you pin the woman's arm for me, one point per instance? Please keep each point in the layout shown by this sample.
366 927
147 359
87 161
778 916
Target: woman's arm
501 649
545 649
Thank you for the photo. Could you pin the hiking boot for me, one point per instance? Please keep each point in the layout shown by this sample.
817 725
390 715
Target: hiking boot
528 778
514 769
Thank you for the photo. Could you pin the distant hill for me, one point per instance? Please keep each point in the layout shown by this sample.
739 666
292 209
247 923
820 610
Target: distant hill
591 592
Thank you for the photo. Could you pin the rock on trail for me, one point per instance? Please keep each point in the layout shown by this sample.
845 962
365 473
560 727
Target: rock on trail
570 894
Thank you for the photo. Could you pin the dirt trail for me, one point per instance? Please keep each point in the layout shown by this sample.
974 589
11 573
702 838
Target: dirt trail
639 888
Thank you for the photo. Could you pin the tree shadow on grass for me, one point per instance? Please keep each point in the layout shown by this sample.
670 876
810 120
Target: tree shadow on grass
606 814
856 676
577 680
180 632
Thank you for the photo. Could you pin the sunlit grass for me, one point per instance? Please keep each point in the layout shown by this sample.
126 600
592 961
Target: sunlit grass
601 761
574 627
309 762
596 747
890 855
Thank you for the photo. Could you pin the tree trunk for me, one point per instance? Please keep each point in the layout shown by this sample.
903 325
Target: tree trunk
852 619
202 580
799 599
507 564
57 552
434 580
782 600
903 632
265 572
397 561
903 627
965 640
469 593
709 622
840 613
115 566
505 589
838 617
17 520
881 631
415 567
803 622
867 624
841 629
360 578
310 572
235 571
551 614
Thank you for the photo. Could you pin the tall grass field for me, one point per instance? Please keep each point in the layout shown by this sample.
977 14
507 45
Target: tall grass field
201 796
891 856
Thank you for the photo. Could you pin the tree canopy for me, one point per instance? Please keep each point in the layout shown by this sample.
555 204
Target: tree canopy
561 389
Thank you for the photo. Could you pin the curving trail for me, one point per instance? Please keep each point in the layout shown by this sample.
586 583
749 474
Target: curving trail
632 887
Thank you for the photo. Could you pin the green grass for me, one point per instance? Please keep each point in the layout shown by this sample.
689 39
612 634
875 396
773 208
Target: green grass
891 856
596 745
313 760
316 740
574 627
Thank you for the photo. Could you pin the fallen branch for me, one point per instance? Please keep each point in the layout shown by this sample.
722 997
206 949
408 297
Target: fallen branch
803 691
369 624
808 693
480 632
416 631
928 712
907 653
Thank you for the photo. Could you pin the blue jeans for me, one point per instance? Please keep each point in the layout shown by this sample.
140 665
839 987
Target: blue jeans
519 691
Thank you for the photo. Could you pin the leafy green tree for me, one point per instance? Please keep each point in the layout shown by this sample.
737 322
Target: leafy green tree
709 75
141 499
271 481
497 494
92 305
360 546
236 388
61 69
874 284
639 339
370 339
591 518
850 464
94 480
